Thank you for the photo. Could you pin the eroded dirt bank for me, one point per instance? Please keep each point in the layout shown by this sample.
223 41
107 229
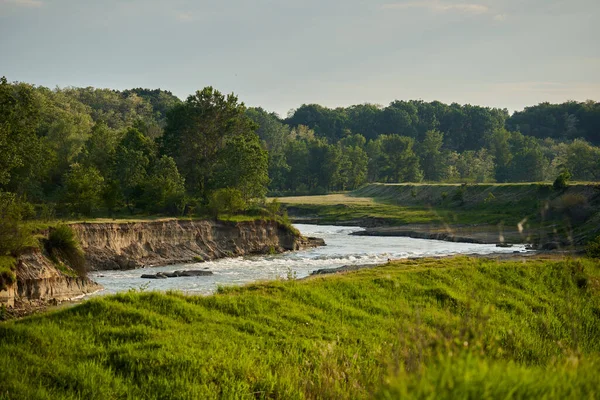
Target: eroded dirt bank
110 246
39 281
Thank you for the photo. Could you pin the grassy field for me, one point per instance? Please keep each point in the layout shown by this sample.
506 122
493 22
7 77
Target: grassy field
530 210
430 328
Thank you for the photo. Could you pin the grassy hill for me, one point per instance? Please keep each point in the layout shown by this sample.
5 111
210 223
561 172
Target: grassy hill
569 216
450 328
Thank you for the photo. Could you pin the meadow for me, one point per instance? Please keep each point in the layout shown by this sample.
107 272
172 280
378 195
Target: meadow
455 327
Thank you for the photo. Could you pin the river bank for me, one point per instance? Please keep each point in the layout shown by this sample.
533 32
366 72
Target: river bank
528 213
41 279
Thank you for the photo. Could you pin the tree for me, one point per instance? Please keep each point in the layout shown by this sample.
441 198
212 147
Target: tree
432 158
198 130
582 160
400 163
135 155
274 136
82 189
243 165
19 118
164 190
354 167
226 200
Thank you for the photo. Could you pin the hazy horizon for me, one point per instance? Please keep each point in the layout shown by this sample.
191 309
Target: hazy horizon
280 55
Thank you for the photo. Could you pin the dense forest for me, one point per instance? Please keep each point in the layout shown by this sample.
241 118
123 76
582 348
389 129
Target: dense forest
87 151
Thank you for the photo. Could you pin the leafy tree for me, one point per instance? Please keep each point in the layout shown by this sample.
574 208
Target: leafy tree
135 155
198 130
498 144
274 136
164 190
226 200
82 189
400 163
19 118
354 167
582 160
432 158
243 166
562 180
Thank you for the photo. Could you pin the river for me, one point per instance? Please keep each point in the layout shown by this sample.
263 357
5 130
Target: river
342 249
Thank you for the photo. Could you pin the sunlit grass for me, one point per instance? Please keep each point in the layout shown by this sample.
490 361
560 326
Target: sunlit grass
443 328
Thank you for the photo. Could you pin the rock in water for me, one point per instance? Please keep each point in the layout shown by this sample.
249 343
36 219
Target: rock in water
177 274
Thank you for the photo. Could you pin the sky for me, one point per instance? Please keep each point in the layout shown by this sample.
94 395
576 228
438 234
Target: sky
282 54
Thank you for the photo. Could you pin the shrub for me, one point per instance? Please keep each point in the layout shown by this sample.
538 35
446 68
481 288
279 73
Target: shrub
226 200
593 248
273 207
490 197
14 238
62 245
562 180
459 195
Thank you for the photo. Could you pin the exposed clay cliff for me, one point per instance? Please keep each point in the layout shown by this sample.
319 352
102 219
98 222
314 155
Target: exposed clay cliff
39 281
132 245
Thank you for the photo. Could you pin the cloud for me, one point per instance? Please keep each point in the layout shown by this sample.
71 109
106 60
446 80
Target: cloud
25 3
500 17
438 6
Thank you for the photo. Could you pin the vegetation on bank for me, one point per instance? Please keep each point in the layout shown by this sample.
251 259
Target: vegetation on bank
570 214
98 152
453 327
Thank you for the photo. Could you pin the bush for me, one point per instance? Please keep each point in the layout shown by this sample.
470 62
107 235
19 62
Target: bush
62 245
14 238
490 197
228 200
593 248
562 180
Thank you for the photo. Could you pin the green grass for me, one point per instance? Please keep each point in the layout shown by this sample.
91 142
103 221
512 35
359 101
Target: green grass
431 328
7 268
570 215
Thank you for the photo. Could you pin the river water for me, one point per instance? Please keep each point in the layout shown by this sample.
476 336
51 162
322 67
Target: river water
342 249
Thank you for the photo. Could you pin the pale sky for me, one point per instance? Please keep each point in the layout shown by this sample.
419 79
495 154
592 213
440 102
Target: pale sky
281 54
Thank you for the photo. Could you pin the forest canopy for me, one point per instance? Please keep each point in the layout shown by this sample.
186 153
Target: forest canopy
89 151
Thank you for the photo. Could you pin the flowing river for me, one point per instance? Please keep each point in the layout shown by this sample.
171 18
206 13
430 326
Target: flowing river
342 249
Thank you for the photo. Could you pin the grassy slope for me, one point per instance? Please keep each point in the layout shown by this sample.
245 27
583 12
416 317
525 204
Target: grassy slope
535 204
456 327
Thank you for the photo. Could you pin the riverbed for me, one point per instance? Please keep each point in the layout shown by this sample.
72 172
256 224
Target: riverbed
342 249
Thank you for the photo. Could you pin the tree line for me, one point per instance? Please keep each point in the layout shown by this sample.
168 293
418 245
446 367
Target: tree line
89 151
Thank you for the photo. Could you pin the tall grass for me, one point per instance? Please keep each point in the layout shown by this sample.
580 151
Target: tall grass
62 245
451 328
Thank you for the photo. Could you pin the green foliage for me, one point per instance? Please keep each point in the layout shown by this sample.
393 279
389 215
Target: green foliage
445 328
14 237
562 180
62 245
203 133
593 248
164 190
83 187
490 198
19 116
7 268
227 201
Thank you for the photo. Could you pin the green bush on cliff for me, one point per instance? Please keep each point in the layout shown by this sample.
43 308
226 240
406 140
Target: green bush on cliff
14 237
62 245
593 248
226 201
7 274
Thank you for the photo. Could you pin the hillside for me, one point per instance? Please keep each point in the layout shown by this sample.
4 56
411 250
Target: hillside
516 212
455 327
